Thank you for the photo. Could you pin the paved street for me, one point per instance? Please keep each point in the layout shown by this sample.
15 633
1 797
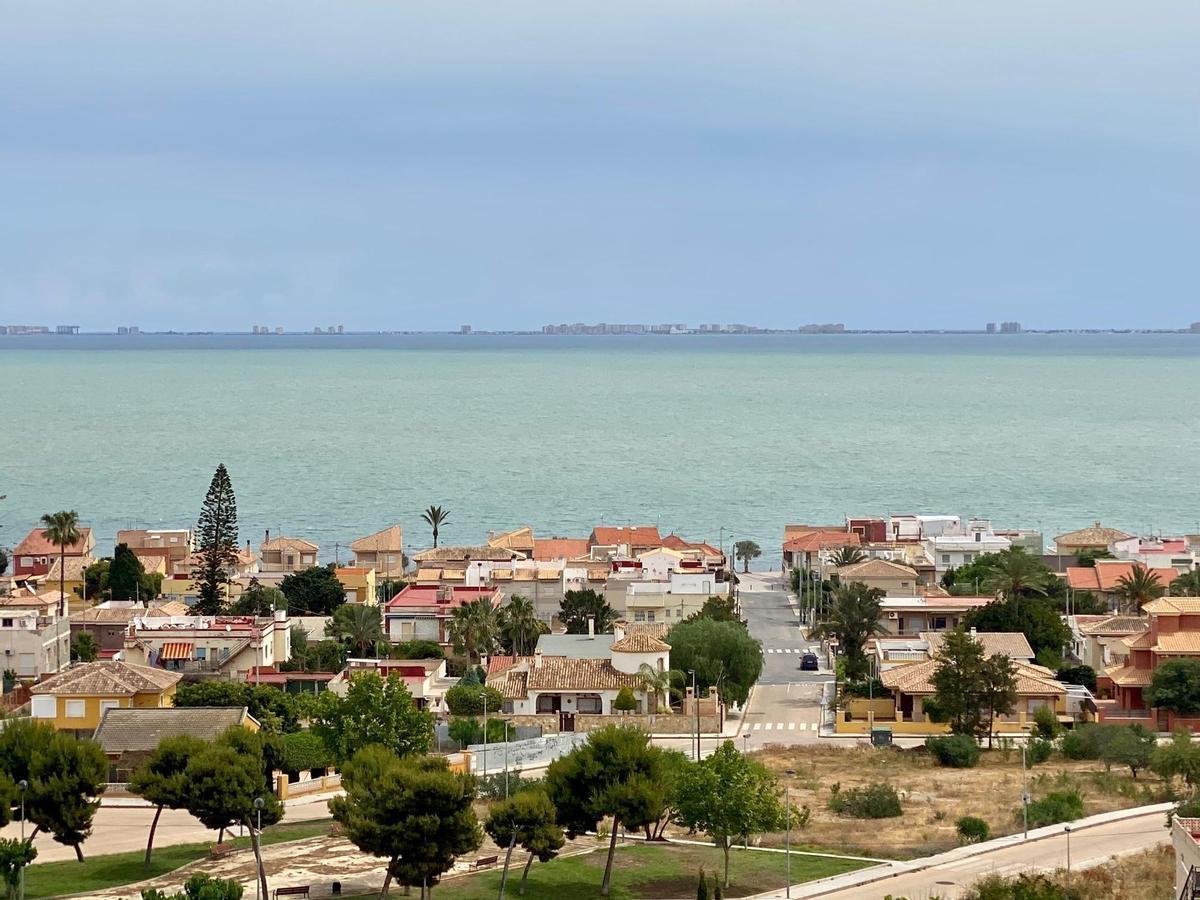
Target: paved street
786 706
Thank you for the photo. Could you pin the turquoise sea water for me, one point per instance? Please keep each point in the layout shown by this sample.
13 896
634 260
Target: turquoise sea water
332 437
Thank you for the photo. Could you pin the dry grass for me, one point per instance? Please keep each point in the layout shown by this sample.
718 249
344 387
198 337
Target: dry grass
935 798
1149 875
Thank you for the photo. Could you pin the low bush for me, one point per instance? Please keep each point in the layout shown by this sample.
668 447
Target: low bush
625 701
875 801
303 750
1055 807
417 649
1082 675
201 887
1046 724
972 830
1023 887
954 751
1038 750
1081 742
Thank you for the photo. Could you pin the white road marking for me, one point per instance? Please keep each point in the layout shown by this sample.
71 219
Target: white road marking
757 725
767 726
791 726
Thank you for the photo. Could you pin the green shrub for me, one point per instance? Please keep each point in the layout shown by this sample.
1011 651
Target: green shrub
955 751
1046 724
1082 742
1055 807
303 750
972 830
464 731
417 649
625 701
1082 675
875 801
933 711
468 699
201 887
1023 887
1038 750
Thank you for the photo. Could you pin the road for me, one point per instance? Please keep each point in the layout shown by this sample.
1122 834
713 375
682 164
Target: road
1089 847
786 705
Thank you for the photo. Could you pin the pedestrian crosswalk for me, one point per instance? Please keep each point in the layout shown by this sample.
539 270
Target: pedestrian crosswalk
785 726
787 650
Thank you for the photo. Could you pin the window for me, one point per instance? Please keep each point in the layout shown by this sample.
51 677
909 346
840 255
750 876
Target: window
939 623
201 652
967 557
7 623
507 707
27 560
588 704
108 704
946 558
978 536
639 615
76 709
650 616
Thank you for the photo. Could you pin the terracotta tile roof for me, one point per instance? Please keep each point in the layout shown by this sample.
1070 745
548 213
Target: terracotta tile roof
1186 642
1142 641
497 664
28 600
290 543
654 629
125 614
635 536
426 595
1106 575
517 539
560 673
815 541
351 570
640 642
1012 644
918 679
1173 606
126 729
389 540
549 549
462 554
1114 625
875 568
35 544
512 684
675 542
1129 676
107 679
1095 536
75 567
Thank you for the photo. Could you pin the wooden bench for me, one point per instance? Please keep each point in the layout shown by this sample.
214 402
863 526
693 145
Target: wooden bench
485 861
300 890
217 851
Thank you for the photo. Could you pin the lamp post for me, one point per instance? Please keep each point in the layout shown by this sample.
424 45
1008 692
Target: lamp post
1024 794
746 742
696 748
259 803
484 695
787 839
1067 829
505 757
24 786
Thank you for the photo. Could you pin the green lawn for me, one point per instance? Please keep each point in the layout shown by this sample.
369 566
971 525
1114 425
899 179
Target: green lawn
97 873
643 871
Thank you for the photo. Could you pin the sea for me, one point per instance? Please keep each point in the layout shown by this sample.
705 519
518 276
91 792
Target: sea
720 438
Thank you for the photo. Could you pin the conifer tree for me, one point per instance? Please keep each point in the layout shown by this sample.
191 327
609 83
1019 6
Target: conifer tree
217 541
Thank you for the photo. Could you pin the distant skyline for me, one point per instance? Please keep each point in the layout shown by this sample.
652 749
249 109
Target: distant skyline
418 167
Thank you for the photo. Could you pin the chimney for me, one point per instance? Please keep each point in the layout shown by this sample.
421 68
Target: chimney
268 537
591 626
537 658
974 633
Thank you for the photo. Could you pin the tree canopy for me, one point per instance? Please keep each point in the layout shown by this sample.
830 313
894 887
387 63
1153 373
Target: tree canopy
745 551
314 591
258 600
723 655
1175 685
358 626
852 617
527 820
435 517
579 606
127 577
374 711
162 781
274 709
474 628
971 689
216 543
1035 617
520 626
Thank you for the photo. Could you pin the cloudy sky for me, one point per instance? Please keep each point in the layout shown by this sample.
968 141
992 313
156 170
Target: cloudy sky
424 164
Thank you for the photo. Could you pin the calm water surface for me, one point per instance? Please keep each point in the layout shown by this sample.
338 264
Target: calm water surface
332 437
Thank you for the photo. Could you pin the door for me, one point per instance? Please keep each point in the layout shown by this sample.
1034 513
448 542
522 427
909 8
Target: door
566 721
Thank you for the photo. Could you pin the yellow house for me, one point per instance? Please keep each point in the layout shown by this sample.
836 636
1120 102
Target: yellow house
359 584
77 699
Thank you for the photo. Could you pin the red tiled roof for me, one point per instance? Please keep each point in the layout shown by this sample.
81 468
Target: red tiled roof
636 536
822 540
546 549
675 542
419 595
35 544
1106 576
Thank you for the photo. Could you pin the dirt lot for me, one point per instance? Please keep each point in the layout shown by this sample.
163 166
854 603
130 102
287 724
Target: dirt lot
934 798
1149 875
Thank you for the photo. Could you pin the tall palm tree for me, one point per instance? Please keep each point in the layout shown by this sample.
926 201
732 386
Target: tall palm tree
1138 587
360 626
657 684
473 628
847 556
1017 574
62 530
520 626
852 617
1186 585
435 517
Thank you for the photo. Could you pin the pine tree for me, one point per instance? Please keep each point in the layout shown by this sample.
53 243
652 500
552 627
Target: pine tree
217 540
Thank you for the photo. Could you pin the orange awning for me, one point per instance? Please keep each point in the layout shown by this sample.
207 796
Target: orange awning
176 650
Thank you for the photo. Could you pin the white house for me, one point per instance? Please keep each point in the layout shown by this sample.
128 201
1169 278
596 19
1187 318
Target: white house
957 546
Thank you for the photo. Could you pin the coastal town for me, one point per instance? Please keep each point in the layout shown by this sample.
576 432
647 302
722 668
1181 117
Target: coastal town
551 703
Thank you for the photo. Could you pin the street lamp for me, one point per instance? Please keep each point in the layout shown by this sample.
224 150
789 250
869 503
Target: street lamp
1067 829
746 741
259 803
692 672
1024 794
787 839
24 786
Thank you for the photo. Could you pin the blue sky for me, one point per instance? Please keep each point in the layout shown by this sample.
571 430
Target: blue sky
394 165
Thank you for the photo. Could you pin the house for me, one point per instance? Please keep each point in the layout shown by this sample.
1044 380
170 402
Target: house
608 541
1173 633
870 529
519 540
35 640
1185 840
664 601
1171 556
72 580
34 555
559 549
1099 641
422 611
892 578
292 682
956 546
108 622
172 546
287 554
712 559
1012 644
221 647
921 527
1097 537
75 700
129 735
382 551
1104 578
425 679
890 652
359 584
813 548
910 616
179 584
459 559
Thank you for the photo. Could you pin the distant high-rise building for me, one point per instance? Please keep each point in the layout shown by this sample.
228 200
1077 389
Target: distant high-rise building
991 327
1010 327
279 329
1195 329
464 329
128 329
341 329
66 329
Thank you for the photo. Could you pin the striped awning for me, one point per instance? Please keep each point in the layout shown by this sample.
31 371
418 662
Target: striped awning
176 650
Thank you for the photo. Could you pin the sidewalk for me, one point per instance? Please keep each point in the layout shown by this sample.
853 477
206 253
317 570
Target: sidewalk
1094 840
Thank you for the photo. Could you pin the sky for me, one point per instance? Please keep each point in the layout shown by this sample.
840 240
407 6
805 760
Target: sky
420 165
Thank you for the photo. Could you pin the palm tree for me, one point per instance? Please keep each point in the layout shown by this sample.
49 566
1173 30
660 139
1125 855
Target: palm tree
62 530
657 684
852 617
1016 574
520 626
847 556
1186 585
435 517
473 628
746 551
1138 587
358 625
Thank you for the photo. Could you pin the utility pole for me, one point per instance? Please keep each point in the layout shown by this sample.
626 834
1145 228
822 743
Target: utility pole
1024 794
